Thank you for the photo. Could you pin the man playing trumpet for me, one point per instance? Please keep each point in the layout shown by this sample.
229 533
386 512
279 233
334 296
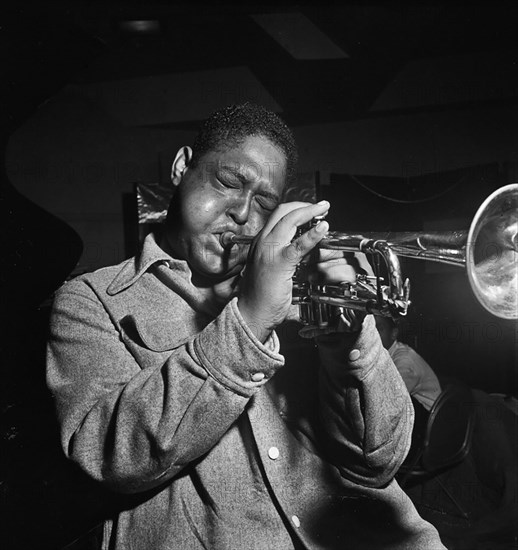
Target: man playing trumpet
171 386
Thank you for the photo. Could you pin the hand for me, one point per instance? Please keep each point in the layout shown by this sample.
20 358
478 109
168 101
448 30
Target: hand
265 293
335 267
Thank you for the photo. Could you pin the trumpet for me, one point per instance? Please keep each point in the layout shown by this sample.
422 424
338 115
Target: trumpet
488 251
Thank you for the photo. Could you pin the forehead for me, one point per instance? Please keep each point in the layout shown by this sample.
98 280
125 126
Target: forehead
255 161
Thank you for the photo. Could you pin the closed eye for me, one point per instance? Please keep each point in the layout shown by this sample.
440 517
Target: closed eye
230 183
266 202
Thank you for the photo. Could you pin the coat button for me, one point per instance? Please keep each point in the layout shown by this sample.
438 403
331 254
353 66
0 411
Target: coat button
258 376
354 354
296 521
273 453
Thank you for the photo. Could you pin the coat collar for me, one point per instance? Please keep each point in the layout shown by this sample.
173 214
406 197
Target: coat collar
135 267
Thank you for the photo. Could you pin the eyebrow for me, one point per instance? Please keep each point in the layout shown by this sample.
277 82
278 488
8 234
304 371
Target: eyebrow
243 179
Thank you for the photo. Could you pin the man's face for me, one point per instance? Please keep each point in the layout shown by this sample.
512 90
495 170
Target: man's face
233 189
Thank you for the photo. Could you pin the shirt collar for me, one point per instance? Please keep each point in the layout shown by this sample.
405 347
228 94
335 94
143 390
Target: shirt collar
134 268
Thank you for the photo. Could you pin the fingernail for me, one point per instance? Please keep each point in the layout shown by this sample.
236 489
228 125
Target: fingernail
322 203
322 226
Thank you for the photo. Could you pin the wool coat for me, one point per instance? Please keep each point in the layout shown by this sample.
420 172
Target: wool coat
226 442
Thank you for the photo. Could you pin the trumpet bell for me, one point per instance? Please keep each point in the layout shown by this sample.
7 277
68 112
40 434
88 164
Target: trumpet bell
492 253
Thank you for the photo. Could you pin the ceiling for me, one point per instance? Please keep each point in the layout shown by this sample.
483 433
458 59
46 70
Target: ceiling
313 63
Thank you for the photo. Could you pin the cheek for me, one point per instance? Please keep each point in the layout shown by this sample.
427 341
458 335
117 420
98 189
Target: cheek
257 220
202 209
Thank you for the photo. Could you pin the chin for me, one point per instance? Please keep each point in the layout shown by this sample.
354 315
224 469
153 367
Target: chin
217 271
215 265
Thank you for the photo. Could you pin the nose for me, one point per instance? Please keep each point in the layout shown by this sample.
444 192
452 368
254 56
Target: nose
239 210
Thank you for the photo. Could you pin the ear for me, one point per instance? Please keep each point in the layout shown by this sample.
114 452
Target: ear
180 164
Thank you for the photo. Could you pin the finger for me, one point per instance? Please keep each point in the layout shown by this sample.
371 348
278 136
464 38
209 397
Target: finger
364 263
282 210
332 272
284 230
325 255
295 251
358 260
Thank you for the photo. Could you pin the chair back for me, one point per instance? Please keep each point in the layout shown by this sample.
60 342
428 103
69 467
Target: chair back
449 429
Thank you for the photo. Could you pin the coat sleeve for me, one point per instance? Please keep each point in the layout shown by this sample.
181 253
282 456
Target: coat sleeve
133 428
365 408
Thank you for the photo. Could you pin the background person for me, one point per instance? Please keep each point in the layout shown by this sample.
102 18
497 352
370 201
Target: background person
420 380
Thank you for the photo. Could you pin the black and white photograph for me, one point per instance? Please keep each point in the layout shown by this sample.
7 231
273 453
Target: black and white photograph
259 276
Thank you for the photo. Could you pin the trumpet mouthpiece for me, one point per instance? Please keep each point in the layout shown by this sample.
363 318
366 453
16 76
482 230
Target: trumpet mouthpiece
227 239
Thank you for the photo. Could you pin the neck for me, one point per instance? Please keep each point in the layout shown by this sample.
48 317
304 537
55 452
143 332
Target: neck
216 294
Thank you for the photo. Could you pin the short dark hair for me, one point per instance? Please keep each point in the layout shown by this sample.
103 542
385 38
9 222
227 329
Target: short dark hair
231 125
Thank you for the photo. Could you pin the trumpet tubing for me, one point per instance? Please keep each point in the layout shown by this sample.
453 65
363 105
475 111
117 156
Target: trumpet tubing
488 251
